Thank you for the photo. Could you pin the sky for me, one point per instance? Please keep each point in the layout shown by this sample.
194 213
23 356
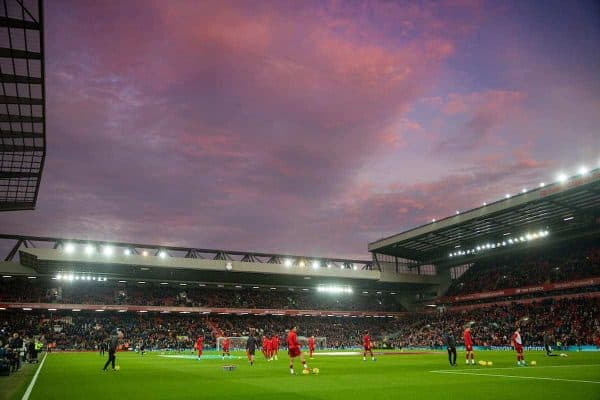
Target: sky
305 127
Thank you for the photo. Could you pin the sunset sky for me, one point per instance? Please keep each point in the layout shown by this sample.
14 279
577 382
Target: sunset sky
305 127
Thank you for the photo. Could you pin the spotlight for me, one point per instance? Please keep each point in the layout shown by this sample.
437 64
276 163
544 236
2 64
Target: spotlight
507 196
523 190
229 266
316 264
561 177
162 254
127 252
583 170
542 184
69 248
328 265
287 262
59 277
89 249
144 253
301 264
457 212
433 220
108 251
355 267
484 203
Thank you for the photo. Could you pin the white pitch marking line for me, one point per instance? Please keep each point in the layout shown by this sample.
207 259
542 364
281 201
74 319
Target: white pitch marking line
531 367
517 376
32 383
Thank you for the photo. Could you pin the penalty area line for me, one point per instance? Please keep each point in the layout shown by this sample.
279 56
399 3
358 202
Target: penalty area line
35 376
516 376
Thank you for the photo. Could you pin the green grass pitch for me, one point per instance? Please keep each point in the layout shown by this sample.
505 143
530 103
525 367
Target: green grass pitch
406 376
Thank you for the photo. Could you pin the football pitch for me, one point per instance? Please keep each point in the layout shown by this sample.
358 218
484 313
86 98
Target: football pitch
391 376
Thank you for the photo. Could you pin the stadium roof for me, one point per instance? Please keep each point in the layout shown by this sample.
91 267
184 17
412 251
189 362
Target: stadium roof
22 103
117 260
560 210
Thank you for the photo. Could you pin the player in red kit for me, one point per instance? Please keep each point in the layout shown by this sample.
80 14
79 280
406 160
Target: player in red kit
517 342
266 347
275 346
367 346
311 346
225 344
294 349
198 345
469 345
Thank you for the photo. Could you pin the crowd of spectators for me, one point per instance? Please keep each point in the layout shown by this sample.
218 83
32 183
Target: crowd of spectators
504 272
572 322
110 292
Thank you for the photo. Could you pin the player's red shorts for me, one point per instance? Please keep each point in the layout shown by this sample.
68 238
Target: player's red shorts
294 352
468 347
518 348
367 348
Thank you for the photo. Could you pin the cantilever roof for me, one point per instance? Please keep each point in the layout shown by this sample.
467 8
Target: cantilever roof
564 209
22 103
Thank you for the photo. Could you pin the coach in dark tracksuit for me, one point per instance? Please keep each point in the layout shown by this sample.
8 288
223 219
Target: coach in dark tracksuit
451 346
112 349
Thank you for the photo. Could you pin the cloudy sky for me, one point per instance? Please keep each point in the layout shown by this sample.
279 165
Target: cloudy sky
305 127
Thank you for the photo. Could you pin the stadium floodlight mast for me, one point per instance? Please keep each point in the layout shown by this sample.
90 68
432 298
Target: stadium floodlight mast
528 237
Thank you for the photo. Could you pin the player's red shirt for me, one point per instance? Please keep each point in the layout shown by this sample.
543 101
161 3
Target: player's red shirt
467 337
292 340
311 343
225 344
266 343
516 339
199 343
275 343
367 341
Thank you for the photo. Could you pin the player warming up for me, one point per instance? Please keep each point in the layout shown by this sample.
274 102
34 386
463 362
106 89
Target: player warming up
112 349
251 347
367 346
294 349
311 346
469 345
275 346
225 344
517 343
199 345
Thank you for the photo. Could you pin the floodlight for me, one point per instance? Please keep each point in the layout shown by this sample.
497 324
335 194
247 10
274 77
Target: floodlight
144 253
108 251
542 184
433 220
507 196
89 249
59 276
69 248
316 264
583 170
561 177
127 252
287 262
484 203
301 264
228 266
523 190
162 254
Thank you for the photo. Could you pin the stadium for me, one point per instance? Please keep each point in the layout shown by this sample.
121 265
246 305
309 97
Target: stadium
497 301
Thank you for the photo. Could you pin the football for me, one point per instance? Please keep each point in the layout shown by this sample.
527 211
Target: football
306 371
315 371
118 367
533 363
490 363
